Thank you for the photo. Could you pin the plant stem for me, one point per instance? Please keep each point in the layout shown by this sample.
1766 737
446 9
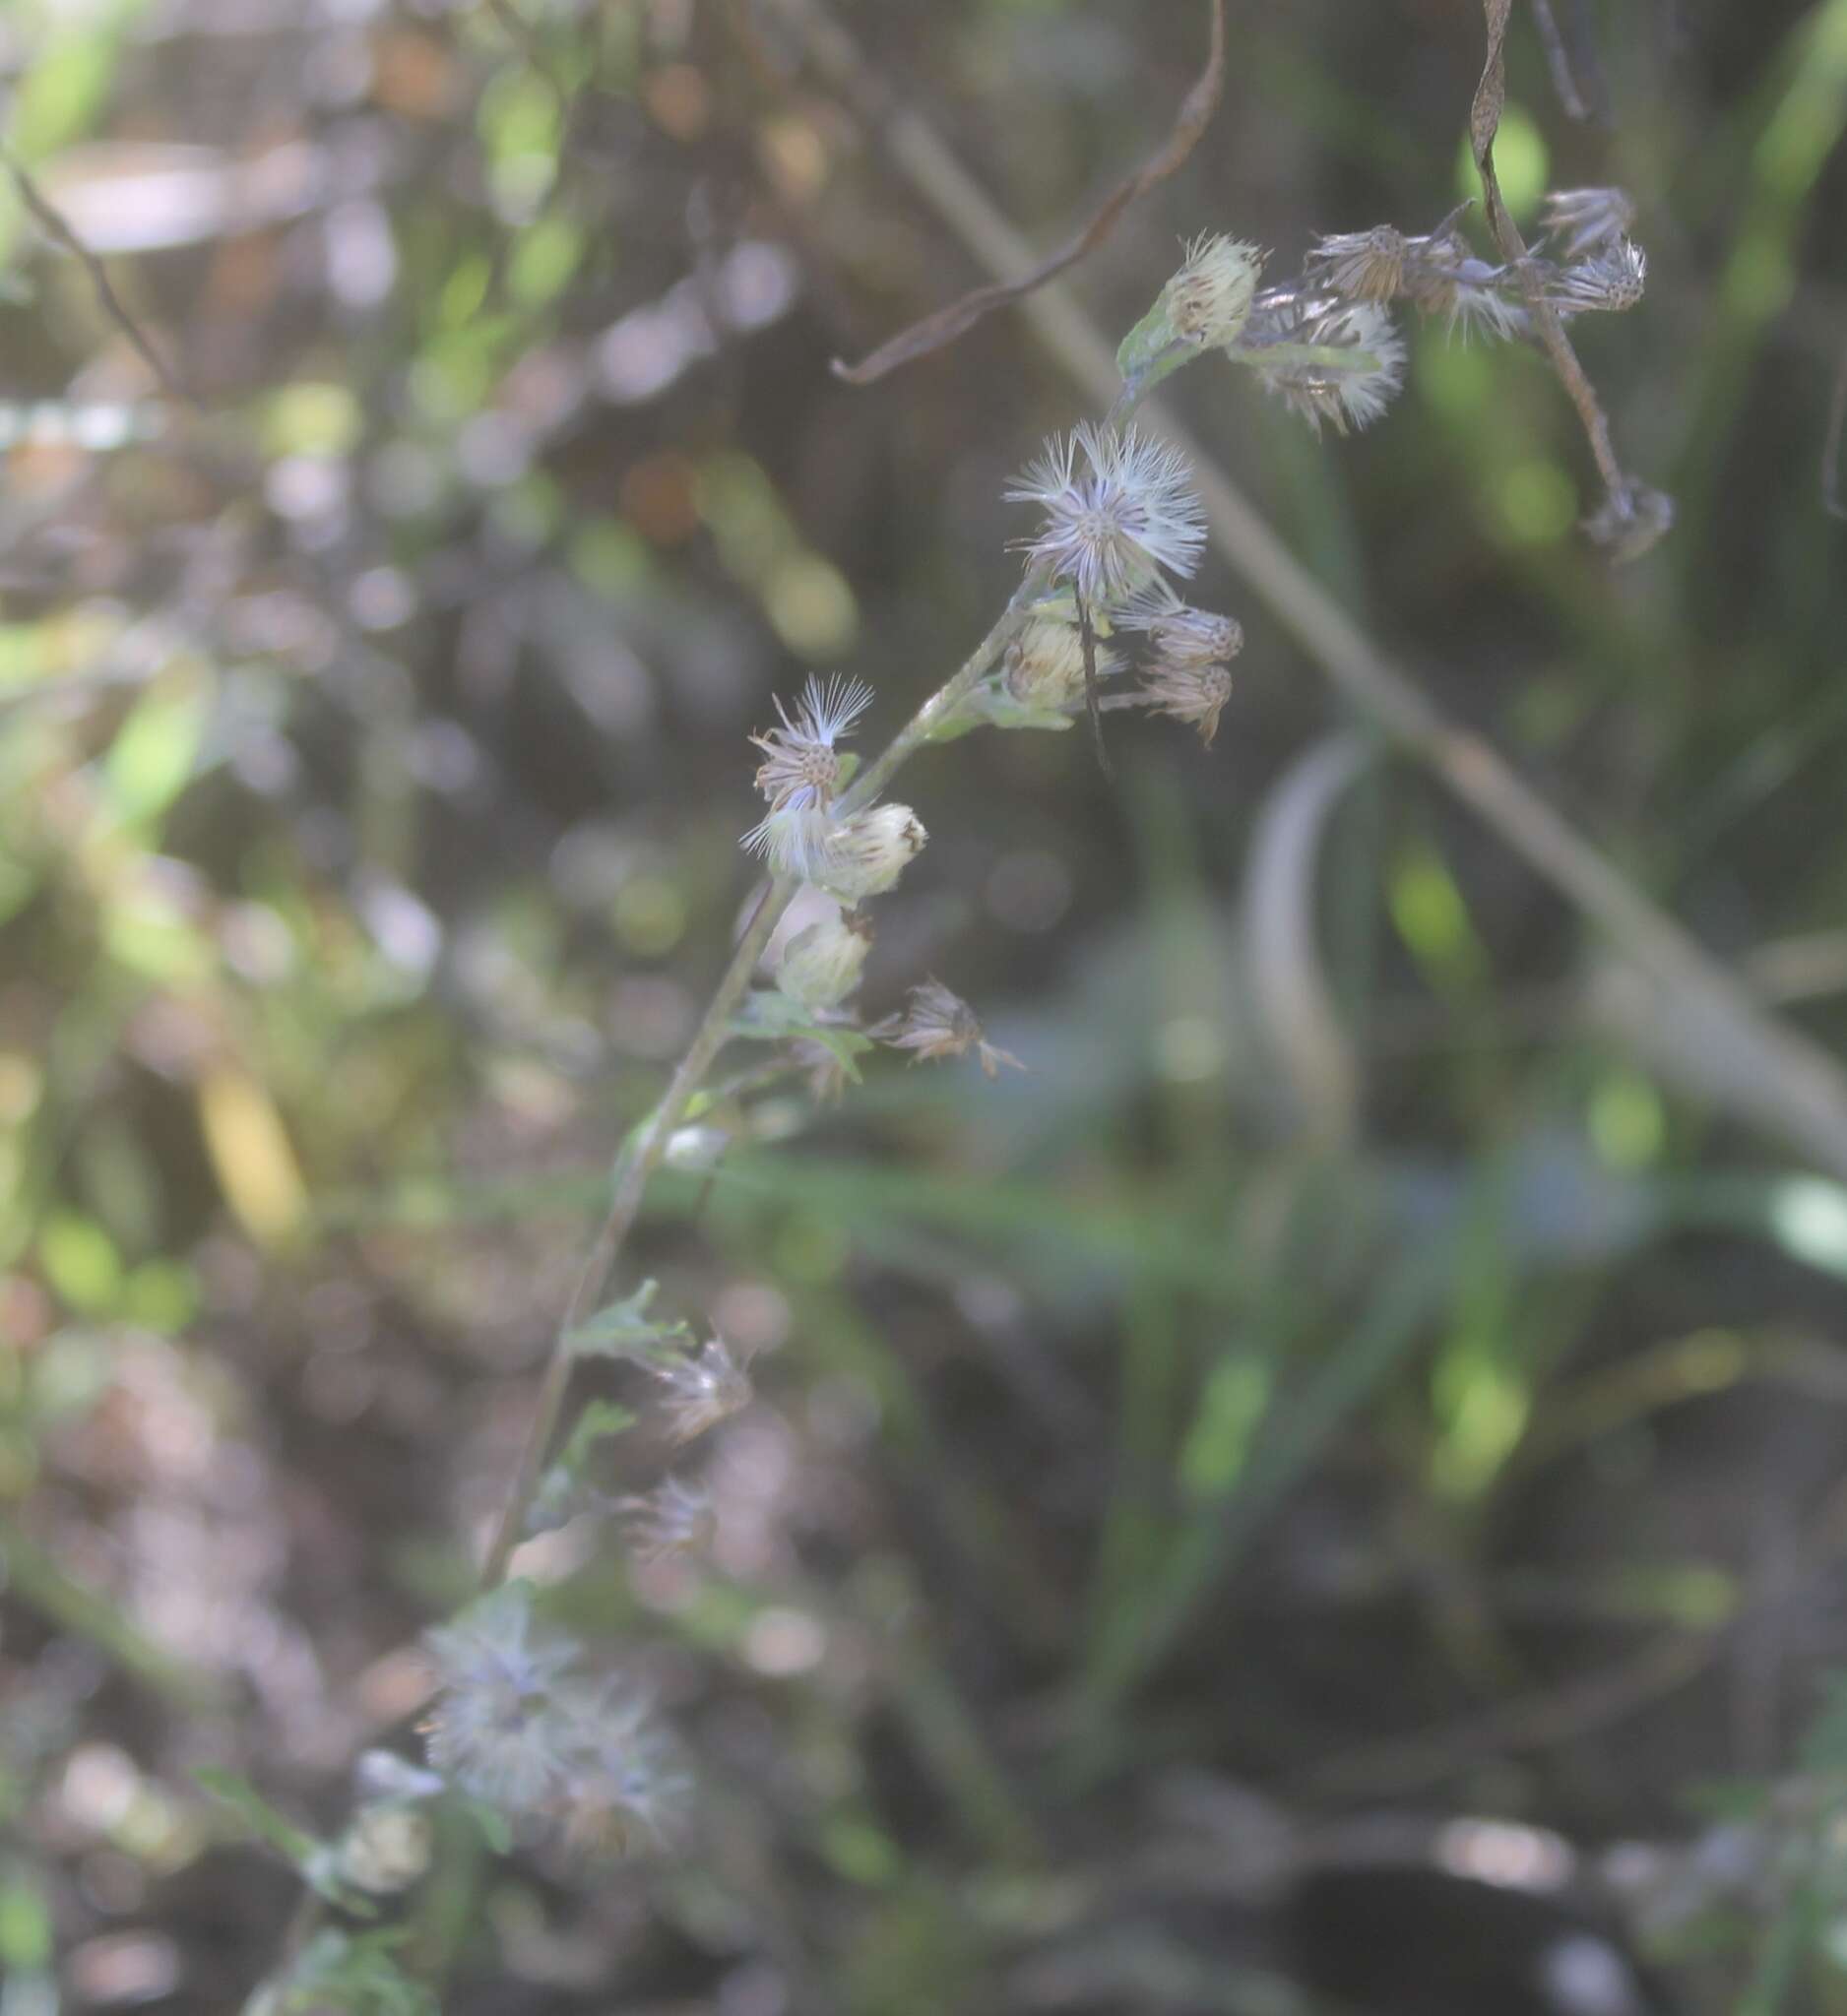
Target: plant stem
643 1152
940 707
645 1147
638 1162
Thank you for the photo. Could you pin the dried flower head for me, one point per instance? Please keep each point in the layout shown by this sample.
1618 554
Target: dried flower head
935 1022
1437 271
1119 509
864 855
674 1518
1043 666
1630 520
1191 692
1342 363
1585 219
1608 282
1363 266
699 1388
802 769
1208 301
822 964
1181 634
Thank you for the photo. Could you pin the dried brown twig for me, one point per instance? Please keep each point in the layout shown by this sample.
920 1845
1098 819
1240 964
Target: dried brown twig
51 221
1575 74
1633 515
949 322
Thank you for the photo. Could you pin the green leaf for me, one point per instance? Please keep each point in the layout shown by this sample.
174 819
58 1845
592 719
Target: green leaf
599 1422
769 1016
353 1973
622 1328
1150 352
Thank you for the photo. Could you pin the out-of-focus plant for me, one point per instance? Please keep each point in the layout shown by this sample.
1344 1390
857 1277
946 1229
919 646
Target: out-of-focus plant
529 1740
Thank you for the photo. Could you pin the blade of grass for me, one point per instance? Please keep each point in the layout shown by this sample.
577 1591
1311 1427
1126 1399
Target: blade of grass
1296 1428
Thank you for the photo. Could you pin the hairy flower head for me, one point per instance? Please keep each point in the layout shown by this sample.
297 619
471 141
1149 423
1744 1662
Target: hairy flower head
793 841
492 1733
1481 301
822 964
802 769
1194 693
545 1748
852 858
935 1022
1208 301
1043 666
1342 363
1181 634
867 853
699 1388
1585 219
1119 509
1608 282
1363 266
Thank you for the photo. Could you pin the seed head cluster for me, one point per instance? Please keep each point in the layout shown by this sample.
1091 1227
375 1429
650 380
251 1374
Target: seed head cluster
549 1748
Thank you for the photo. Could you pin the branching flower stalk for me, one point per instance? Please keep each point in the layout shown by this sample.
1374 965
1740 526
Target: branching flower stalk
537 1744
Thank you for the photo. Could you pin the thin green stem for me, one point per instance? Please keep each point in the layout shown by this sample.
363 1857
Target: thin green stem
639 1161
940 709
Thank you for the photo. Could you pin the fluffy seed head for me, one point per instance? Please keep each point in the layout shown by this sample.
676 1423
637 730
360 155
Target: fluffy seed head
1585 219
1208 301
1119 509
1609 281
539 1745
699 1388
935 1022
1481 300
802 770
867 853
821 963
1195 693
1344 367
793 841
493 1733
